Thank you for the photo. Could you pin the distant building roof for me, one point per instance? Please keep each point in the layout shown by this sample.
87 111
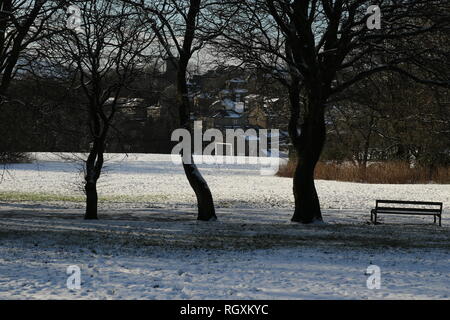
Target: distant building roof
236 80
125 102
227 114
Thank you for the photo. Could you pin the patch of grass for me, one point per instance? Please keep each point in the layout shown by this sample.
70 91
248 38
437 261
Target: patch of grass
51 197
151 234
231 240
142 198
24 196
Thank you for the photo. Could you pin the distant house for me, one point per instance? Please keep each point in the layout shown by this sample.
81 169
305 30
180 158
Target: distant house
258 117
154 112
229 119
230 104
202 102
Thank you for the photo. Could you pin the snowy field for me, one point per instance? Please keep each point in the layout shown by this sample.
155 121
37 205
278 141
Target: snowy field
156 181
148 244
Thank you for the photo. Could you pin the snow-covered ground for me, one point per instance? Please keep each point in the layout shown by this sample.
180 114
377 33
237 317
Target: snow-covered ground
148 244
155 180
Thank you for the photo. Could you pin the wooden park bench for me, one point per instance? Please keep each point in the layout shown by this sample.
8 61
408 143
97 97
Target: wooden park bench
393 207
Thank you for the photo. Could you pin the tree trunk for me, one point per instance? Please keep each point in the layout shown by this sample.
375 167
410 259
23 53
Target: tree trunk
206 211
94 165
309 147
91 201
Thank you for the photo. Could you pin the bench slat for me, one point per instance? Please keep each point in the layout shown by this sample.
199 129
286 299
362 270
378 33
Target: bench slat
410 202
412 213
407 209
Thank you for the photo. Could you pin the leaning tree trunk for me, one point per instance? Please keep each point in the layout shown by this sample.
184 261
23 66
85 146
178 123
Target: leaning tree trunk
205 203
308 147
206 211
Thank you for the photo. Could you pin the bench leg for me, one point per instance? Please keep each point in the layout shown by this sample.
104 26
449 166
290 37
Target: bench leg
440 225
434 218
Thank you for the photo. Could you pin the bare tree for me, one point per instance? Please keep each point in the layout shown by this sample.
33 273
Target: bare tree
179 26
104 54
22 23
318 49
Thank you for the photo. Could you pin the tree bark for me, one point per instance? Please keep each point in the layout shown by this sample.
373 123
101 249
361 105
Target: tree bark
309 147
91 201
206 211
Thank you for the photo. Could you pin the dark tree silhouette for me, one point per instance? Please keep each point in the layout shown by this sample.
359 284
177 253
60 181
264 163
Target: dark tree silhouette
179 26
104 53
22 23
318 49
